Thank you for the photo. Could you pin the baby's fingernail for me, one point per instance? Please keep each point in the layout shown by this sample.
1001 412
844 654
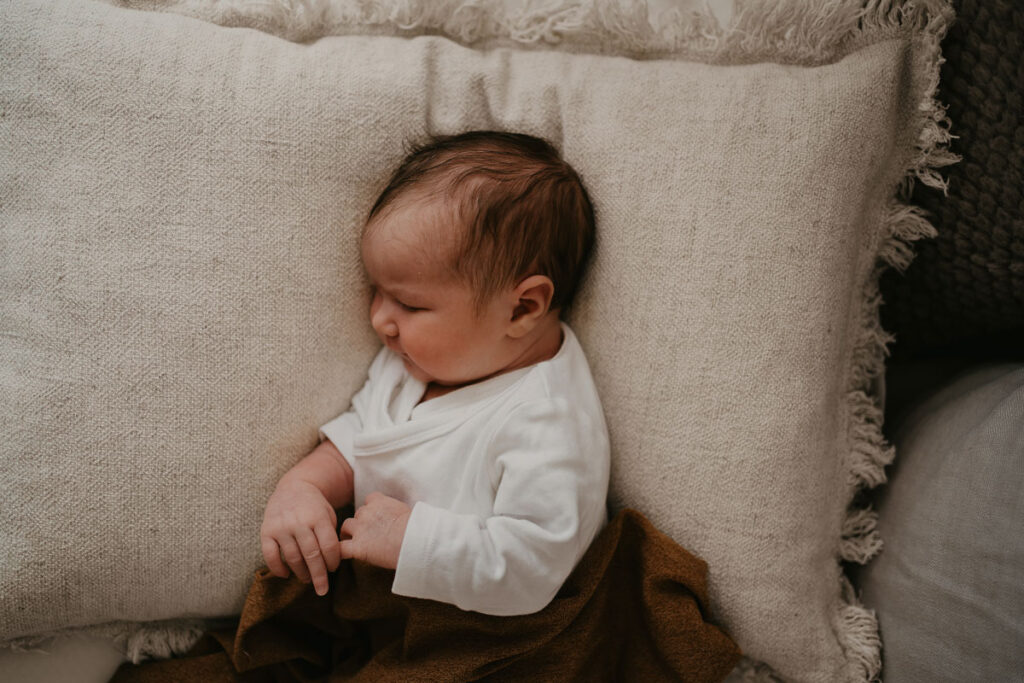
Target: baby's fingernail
321 590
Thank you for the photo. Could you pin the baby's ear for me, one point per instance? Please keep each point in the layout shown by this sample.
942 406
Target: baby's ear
532 302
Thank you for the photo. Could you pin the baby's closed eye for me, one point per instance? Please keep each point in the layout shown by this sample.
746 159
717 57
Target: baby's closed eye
410 308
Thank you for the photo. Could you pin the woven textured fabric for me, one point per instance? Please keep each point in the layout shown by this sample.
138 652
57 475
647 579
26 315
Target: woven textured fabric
965 288
182 304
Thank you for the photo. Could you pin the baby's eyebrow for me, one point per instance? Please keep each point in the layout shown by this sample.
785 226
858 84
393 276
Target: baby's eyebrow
390 291
399 293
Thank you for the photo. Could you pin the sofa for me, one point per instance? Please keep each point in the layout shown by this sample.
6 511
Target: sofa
805 314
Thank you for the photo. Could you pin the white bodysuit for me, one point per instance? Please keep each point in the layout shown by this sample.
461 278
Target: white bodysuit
507 478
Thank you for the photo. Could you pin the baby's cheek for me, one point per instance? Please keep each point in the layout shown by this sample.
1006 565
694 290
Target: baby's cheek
438 360
443 361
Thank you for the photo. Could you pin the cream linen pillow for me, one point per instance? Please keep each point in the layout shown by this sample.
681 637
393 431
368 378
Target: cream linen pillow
181 302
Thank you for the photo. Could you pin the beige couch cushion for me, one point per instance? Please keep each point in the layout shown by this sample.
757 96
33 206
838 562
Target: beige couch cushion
181 301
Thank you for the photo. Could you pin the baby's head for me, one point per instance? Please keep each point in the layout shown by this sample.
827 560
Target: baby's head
485 234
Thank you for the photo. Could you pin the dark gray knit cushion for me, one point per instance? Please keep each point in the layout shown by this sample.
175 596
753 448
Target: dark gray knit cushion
968 283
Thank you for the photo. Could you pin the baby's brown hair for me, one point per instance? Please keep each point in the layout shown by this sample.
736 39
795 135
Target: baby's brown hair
523 209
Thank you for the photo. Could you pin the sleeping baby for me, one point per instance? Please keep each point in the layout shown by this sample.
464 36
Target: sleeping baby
476 454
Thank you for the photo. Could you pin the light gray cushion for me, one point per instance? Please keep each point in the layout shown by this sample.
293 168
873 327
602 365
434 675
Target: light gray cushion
79 658
948 586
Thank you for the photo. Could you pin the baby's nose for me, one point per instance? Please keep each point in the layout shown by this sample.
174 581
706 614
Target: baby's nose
382 321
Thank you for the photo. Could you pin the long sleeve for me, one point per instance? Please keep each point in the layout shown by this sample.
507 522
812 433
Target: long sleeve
550 473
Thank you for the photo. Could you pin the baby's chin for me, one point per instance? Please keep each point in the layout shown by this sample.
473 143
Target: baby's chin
427 378
418 373
415 370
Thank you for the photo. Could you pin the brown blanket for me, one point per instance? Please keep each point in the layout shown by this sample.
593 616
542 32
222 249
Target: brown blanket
635 608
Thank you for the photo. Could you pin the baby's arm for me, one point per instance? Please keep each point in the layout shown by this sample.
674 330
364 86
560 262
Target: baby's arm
551 478
300 520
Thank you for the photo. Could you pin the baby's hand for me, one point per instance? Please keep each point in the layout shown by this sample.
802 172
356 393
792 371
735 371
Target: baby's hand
299 525
376 531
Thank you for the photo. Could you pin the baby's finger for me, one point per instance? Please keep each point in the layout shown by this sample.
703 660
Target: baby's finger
349 549
328 541
293 556
314 560
348 528
272 556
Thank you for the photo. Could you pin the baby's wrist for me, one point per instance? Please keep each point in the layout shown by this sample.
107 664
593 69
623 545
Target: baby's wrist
297 481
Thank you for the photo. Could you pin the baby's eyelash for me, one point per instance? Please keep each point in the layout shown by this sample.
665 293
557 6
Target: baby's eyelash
411 309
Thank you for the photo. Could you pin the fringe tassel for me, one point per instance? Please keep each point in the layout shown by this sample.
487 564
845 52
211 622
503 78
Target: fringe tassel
869 453
857 627
751 671
906 224
860 541
858 636
805 32
138 641
902 225
158 640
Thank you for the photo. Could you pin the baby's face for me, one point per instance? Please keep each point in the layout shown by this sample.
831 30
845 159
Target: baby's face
421 311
